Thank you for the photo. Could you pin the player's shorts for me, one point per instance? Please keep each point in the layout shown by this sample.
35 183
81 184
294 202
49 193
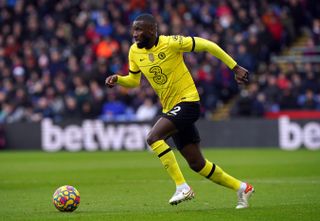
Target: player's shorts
183 116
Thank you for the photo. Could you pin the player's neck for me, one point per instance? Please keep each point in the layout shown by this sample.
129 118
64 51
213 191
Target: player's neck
153 42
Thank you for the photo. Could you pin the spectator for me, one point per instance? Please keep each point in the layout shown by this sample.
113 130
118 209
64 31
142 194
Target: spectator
88 111
106 47
308 101
71 109
115 109
147 111
316 31
53 49
272 93
287 100
250 103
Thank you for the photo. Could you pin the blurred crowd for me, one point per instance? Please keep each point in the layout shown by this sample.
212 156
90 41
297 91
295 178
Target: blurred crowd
274 90
55 56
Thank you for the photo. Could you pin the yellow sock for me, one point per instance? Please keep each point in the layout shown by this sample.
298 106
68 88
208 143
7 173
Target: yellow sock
217 175
168 160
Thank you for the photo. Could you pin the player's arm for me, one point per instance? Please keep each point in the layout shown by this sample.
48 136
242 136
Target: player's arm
200 44
131 80
190 44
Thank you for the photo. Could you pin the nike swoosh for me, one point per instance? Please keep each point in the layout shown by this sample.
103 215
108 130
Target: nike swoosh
188 194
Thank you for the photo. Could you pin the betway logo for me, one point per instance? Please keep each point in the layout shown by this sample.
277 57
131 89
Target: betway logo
93 135
292 135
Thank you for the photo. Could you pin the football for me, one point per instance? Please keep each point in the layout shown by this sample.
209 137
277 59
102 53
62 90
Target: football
66 198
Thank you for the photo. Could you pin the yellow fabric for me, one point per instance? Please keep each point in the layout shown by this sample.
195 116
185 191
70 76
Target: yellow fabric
219 176
131 80
211 47
164 68
169 161
159 146
205 171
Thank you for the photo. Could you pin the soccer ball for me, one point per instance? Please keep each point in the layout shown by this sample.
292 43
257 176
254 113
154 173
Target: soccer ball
66 198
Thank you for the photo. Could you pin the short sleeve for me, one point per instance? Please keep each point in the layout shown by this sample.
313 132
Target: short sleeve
181 43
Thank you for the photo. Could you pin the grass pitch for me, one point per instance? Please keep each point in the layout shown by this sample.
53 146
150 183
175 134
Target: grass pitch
133 186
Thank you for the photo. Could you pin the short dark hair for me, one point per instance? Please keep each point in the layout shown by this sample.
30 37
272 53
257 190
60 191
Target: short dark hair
146 17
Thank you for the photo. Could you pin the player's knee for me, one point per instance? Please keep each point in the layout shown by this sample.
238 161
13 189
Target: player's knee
151 138
195 165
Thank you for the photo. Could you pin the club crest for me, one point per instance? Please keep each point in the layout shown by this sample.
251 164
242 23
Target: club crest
161 55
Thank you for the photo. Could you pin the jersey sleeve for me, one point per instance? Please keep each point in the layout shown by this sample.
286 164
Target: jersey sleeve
181 43
211 47
133 78
133 67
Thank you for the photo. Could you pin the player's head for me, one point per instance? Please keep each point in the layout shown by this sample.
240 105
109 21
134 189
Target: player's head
144 30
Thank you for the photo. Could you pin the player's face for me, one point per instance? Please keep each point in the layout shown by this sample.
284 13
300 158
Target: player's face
143 34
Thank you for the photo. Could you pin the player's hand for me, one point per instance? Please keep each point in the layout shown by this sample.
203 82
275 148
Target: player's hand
241 74
111 81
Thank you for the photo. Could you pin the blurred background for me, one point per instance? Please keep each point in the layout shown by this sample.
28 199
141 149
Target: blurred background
55 56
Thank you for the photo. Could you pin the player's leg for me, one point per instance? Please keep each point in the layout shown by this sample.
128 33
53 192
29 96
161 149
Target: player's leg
182 114
191 152
159 132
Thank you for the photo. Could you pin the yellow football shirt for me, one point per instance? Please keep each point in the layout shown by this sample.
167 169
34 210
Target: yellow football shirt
164 68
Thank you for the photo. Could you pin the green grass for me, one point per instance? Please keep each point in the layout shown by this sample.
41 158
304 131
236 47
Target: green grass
133 186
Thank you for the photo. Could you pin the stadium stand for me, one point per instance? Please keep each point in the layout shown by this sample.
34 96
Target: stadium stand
55 55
